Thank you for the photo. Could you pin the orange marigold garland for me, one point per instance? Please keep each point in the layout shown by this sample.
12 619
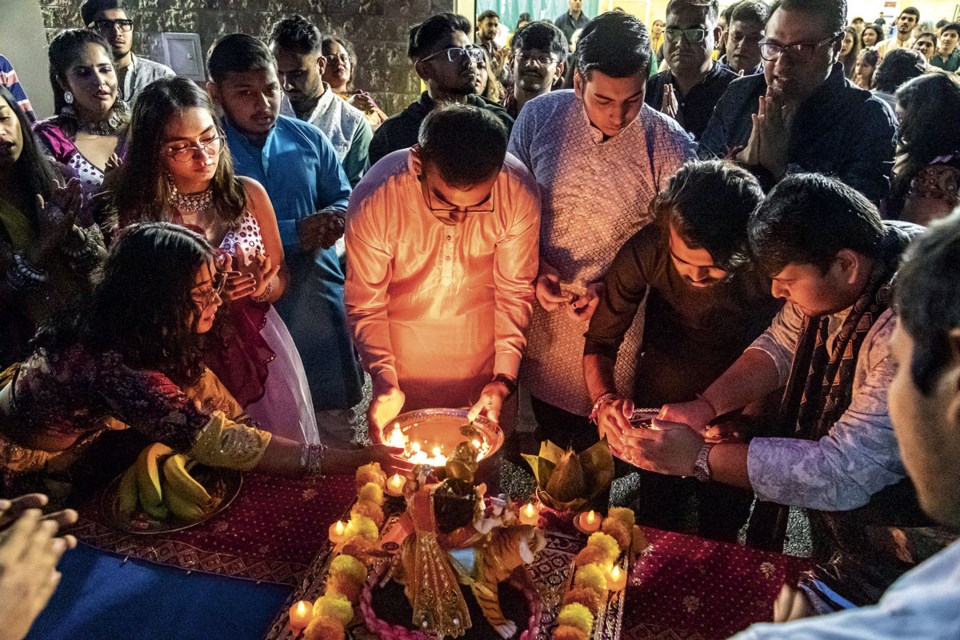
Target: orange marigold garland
588 592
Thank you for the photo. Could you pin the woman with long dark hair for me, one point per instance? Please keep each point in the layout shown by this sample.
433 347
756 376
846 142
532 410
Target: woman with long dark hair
134 354
47 250
927 172
849 50
871 36
863 70
87 133
179 170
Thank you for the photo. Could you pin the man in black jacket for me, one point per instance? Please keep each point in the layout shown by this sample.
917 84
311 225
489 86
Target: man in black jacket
446 61
801 114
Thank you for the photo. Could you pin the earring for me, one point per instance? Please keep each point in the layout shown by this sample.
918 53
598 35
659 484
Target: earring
68 97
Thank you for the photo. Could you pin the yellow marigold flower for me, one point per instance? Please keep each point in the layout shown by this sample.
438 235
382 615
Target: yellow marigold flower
334 606
609 545
372 492
576 615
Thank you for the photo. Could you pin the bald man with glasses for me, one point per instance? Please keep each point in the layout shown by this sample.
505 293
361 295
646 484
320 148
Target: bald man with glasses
800 114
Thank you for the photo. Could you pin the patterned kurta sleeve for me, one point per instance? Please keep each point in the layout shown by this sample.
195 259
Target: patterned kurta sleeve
855 460
151 403
780 340
369 272
516 262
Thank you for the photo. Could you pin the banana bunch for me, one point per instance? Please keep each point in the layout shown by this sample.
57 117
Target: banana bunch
159 482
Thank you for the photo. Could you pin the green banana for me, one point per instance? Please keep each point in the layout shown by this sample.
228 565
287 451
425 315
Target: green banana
182 483
180 506
148 480
127 492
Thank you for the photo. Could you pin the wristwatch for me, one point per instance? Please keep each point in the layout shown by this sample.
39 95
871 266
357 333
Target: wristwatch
701 469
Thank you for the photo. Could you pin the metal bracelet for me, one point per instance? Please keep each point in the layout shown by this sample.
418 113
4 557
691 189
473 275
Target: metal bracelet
265 297
22 274
311 458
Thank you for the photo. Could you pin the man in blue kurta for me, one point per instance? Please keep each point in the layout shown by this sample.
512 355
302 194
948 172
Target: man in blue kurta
297 165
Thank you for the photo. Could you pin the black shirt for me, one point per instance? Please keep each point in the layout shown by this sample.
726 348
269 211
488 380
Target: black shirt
400 131
697 106
568 25
691 334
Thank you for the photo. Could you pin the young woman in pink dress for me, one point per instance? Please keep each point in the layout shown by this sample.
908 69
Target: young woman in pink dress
178 169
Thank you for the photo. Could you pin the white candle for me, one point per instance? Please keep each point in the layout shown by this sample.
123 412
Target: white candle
300 615
337 532
589 522
616 579
529 514
395 484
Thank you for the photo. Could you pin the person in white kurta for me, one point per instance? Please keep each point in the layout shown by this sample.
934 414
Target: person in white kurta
439 302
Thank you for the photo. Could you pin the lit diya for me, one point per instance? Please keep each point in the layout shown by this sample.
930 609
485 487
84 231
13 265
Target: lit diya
431 436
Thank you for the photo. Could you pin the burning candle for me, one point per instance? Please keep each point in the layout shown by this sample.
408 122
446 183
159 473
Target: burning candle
589 522
397 439
616 579
338 532
529 514
395 485
300 615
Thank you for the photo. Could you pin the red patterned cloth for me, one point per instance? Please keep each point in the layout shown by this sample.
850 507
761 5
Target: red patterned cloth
695 589
272 532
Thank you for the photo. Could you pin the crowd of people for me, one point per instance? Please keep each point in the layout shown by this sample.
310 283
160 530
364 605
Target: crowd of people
723 218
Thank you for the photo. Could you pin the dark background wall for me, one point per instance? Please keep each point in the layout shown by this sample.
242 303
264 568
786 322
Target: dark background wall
377 29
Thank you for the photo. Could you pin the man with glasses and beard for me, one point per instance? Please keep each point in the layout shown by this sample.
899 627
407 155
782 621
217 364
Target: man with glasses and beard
704 305
539 52
800 114
441 258
693 83
446 61
109 19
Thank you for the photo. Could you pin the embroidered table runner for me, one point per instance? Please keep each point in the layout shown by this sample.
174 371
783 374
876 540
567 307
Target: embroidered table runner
680 588
272 532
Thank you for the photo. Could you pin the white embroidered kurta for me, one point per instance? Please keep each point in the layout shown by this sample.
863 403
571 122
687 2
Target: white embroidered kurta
595 196
438 309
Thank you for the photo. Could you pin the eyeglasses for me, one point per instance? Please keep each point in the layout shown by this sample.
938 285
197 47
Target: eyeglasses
107 26
342 58
185 154
486 206
205 298
457 55
800 52
693 36
542 60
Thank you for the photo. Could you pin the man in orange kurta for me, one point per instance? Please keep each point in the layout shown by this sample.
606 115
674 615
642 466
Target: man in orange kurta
442 251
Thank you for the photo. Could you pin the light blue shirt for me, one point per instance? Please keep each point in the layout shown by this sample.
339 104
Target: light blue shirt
299 169
923 603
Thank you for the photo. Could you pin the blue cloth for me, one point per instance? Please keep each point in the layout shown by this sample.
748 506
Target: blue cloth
298 167
101 597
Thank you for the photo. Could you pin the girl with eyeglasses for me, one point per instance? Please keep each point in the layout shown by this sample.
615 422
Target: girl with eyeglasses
134 354
87 134
179 170
48 246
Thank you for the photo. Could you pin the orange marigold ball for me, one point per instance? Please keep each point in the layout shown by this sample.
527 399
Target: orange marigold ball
344 586
566 632
324 629
370 510
617 530
590 555
585 596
